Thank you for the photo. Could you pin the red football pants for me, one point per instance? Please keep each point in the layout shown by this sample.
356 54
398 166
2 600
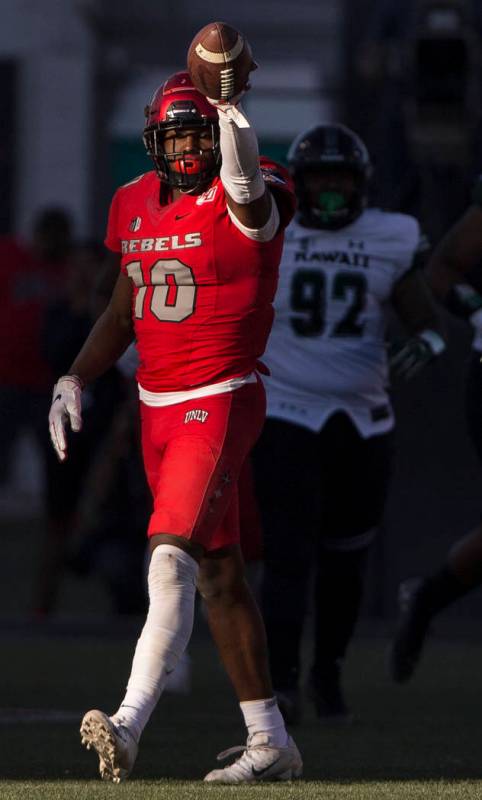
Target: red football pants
193 455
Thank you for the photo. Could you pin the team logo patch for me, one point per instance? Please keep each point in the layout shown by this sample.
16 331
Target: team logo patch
196 415
135 224
207 197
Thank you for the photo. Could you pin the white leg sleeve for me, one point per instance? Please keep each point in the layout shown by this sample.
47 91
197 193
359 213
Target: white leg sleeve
240 172
166 633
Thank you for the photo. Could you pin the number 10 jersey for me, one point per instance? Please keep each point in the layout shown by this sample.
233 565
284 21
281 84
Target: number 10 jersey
202 290
327 348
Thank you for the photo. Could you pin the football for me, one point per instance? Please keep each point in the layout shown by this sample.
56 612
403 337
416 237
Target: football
219 61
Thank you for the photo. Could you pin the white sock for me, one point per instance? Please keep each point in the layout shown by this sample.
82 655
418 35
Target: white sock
264 716
172 588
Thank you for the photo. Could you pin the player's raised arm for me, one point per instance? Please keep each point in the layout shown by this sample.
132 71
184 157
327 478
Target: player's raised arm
110 336
219 62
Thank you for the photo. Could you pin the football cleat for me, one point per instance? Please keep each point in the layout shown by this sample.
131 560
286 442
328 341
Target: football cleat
114 744
412 628
327 695
261 761
289 703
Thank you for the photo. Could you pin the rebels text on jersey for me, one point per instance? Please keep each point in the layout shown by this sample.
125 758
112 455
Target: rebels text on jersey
203 291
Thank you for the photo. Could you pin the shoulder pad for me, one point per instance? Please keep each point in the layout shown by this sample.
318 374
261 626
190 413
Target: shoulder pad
135 180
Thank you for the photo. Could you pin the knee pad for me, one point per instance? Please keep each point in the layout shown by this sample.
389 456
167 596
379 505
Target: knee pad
170 568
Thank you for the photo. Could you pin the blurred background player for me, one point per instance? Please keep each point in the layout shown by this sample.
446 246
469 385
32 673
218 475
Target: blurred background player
33 275
323 460
198 243
455 275
66 323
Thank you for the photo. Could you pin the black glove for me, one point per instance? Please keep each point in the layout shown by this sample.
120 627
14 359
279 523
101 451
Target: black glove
409 358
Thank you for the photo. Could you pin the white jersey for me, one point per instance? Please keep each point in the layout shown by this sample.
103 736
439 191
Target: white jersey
327 349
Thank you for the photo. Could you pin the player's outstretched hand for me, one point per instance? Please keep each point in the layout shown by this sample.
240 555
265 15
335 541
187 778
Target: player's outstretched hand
408 359
66 408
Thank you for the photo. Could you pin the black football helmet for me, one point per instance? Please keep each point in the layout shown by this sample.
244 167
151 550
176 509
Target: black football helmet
330 146
177 104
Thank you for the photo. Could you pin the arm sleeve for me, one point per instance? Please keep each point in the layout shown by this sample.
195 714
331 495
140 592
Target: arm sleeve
240 172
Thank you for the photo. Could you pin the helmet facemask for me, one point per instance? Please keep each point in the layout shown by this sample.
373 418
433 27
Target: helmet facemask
187 170
333 206
337 153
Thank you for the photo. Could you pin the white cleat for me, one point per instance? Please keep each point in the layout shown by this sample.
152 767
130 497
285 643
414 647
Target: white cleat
261 761
114 744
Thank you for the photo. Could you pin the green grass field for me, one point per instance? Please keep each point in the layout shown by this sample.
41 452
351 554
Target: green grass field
420 741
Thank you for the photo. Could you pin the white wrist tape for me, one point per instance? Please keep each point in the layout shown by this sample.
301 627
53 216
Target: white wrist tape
240 171
434 341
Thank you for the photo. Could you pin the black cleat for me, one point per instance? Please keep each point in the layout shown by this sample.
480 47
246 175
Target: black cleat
327 694
412 628
289 703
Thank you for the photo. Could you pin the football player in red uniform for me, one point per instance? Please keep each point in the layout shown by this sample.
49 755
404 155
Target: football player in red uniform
199 242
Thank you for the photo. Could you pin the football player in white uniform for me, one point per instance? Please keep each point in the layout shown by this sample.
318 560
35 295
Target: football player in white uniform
323 461
455 275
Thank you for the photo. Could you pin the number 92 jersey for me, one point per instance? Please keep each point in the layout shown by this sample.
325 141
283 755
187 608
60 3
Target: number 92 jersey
327 351
202 290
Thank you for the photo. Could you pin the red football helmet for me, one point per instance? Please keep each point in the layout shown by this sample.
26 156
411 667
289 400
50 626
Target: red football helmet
177 104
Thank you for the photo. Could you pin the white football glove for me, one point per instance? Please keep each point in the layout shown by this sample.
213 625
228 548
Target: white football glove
66 407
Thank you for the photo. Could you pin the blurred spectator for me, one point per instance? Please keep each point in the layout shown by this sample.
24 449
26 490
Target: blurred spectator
411 91
375 97
32 276
113 509
90 499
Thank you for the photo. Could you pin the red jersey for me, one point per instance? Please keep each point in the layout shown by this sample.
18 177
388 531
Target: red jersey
203 291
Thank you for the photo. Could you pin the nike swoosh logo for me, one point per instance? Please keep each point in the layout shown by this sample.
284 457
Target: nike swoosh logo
181 216
258 772
59 397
